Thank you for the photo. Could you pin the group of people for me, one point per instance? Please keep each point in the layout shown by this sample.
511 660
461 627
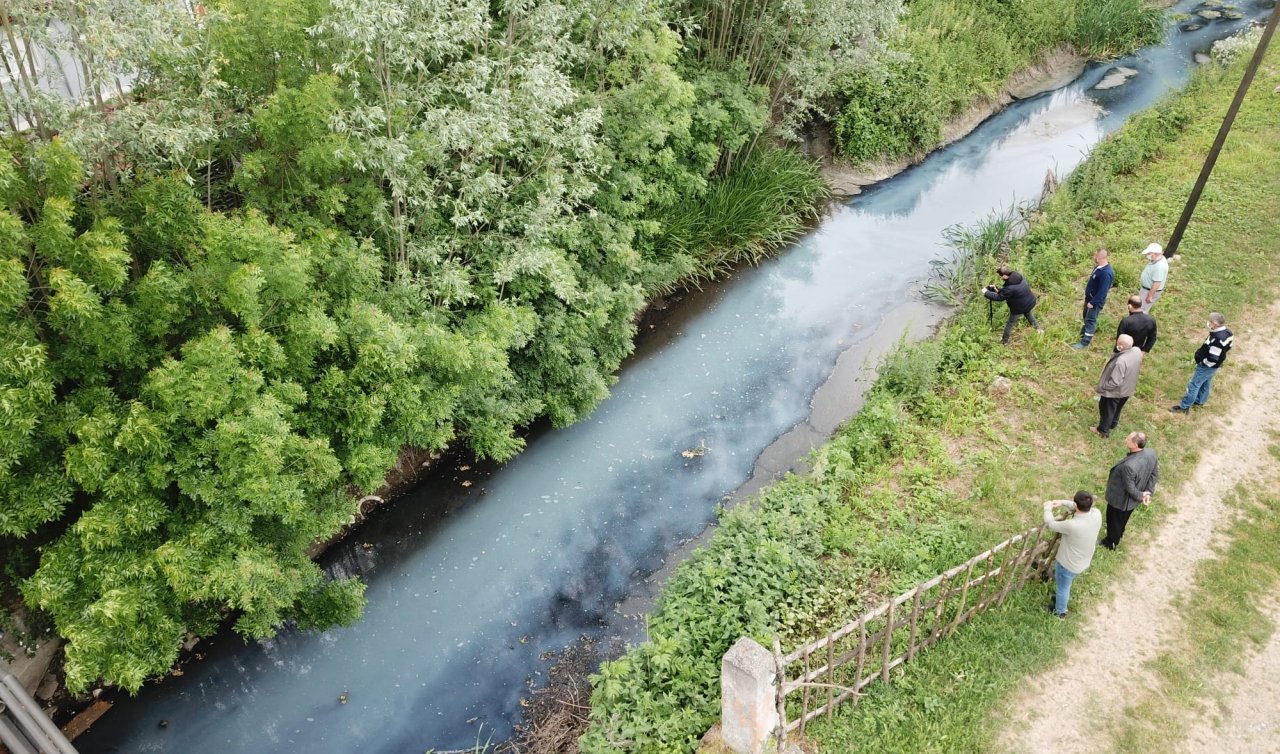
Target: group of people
1132 480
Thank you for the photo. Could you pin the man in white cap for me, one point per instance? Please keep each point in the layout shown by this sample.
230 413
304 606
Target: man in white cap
1154 276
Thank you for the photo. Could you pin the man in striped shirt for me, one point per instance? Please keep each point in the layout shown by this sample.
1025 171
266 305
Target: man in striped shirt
1209 359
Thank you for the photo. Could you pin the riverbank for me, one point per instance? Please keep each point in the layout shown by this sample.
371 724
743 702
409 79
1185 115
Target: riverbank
937 466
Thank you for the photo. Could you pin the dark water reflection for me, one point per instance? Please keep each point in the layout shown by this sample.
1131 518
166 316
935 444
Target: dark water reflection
468 586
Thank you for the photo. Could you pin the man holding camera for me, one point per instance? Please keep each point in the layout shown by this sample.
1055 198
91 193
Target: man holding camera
1119 380
1075 551
1016 292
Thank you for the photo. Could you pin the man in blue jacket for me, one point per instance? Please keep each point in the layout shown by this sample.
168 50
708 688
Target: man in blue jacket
1095 296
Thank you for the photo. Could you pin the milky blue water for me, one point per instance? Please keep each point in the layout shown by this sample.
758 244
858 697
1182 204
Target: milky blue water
469 585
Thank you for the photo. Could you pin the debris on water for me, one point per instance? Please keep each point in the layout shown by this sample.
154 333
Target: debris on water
697 451
343 697
464 467
466 482
163 724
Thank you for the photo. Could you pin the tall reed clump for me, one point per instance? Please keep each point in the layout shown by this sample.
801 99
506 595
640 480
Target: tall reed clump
974 249
1110 28
760 206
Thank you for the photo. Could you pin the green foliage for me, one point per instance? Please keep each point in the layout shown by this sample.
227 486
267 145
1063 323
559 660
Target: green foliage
948 54
763 204
1110 28
890 113
438 223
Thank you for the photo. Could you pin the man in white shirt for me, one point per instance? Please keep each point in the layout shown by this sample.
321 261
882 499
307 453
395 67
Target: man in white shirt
1075 551
1154 276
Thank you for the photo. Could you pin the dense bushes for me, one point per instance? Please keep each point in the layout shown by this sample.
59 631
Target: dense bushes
320 231
947 54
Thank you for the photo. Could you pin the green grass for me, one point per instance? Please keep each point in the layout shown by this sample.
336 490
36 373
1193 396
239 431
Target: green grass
935 468
1224 619
763 204
1038 446
949 53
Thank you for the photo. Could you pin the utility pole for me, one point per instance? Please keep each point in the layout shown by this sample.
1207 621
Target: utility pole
1171 248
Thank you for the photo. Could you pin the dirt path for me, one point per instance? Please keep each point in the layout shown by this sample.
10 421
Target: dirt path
1106 664
1248 721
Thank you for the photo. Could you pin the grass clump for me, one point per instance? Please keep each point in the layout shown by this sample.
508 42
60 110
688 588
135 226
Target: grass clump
936 467
763 204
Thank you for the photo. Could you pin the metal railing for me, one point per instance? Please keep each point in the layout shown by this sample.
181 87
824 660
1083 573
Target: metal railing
24 728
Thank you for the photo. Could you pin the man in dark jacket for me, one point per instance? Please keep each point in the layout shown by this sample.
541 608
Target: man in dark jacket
1209 358
1095 296
1138 325
1130 482
1017 294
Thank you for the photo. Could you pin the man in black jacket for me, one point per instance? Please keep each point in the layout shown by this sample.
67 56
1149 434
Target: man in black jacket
1017 294
1130 482
1138 325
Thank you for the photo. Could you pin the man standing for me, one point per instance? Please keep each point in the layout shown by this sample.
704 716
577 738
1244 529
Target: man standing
1130 482
1119 380
1095 296
1209 358
1138 325
1016 292
1154 276
1079 539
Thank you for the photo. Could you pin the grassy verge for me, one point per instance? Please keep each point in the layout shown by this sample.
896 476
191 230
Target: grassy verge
1225 619
948 53
936 467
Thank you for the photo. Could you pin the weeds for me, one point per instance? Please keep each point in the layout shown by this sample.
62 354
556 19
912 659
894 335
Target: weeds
1110 28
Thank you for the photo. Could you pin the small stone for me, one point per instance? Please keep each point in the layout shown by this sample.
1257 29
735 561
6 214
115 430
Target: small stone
1276 90
1193 27
1202 59
1115 77
48 687
1234 15
1001 386
1208 15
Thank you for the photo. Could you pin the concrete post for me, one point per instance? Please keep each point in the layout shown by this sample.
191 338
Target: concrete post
748 709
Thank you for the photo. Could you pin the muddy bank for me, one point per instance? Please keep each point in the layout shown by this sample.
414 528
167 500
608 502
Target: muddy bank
1055 70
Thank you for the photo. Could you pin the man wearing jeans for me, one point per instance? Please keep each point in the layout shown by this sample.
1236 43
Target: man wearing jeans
1209 358
1075 551
1095 296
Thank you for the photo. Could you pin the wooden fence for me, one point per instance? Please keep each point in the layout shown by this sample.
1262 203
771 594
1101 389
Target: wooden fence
816 677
